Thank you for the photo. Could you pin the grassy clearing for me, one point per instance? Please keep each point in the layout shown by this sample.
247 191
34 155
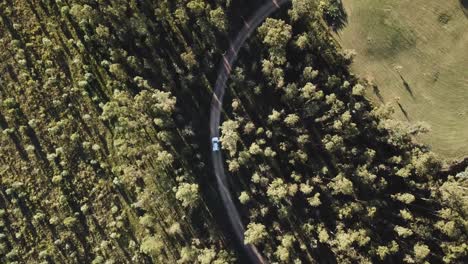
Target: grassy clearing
416 50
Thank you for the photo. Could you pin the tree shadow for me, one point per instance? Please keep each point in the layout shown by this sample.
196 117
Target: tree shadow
335 15
464 6
28 53
464 3
11 72
377 93
406 85
38 18
15 138
403 111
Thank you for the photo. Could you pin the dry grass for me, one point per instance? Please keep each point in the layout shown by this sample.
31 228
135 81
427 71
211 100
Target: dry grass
416 50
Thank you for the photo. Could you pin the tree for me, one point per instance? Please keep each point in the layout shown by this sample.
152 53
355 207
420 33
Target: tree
118 71
341 185
309 73
70 221
425 164
274 116
358 90
333 13
303 41
277 190
196 6
103 33
188 194
282 253
255 149
211 256
421 251
207 256
244 198
189 58
291 120
302 9
147 220
230 136
218 18
315 200
308 91
403 232
151 246
187 255
333 143
406 198
255 234
276 34
181 16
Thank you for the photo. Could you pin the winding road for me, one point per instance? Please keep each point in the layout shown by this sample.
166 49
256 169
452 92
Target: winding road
215 119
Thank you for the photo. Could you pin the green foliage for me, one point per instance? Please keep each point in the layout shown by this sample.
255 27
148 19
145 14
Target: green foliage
188 194
229 136
277 190
255 233
421 251
341 166
196 6
276 34
92 131
151 246
103 156
218 18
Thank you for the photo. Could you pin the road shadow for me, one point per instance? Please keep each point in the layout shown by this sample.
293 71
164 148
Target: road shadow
335 15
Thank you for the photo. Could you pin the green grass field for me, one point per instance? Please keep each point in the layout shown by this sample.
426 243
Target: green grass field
416 50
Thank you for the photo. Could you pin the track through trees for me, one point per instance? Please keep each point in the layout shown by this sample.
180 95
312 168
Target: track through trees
215 118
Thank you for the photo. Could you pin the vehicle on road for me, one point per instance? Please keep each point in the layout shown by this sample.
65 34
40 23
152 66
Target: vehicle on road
229 58
215 144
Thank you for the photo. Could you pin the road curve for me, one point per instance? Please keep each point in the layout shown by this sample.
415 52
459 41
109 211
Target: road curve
215 119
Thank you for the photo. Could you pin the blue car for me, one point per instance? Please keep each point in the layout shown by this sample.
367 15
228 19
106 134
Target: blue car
215 144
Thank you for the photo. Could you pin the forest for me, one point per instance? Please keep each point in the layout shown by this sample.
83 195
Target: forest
105 154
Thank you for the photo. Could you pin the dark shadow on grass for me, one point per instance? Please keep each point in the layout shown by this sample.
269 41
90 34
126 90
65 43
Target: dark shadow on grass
406 85
15 138
464 6
464 3
408 88
335 15
377 93
403 111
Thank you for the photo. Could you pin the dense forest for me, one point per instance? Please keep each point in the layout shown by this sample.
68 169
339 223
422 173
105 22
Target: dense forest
105 148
